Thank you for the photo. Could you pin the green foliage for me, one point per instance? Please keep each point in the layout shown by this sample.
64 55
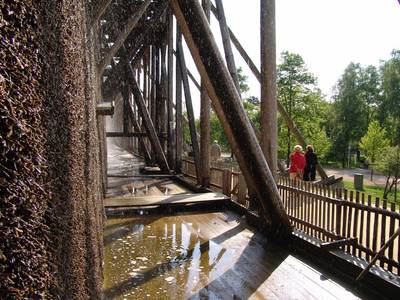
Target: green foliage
305 104
389 164
244 87
374 141
389 108
217 132
349 111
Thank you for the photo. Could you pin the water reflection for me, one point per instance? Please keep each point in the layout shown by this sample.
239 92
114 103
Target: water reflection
158 258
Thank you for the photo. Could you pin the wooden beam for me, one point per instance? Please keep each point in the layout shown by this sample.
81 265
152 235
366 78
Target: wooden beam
189 110
191 76
269 115
289 122
153 91
229 109
131 23
155 142
105 108
100 9
380 252
163 113
125 134
205 129
170 96
136 127
178 106
125 106
226 42
338 243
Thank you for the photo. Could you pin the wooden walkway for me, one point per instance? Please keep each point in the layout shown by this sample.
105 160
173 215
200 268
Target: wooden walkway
127 187
208 256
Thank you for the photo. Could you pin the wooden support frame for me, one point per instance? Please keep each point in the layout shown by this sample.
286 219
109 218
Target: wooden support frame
151 132
226 42
142 143
205 128
189 110
170 96
131 23
178 106
163 113
288 121
127 134
100 11
328 246
105 108
269 116
227 104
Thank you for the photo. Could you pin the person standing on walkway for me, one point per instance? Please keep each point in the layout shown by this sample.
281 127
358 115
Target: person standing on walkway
311 164
297 163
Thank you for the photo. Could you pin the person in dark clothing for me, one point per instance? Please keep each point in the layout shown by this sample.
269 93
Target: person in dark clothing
311 164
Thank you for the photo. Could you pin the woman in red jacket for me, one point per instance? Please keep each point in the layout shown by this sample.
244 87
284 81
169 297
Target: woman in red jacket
297 163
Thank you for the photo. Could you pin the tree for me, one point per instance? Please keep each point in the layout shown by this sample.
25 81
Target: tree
389 164
304 102
370 90
389 109
243 86
349 123
374 141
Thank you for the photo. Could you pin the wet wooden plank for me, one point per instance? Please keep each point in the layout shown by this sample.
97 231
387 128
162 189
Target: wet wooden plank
163 200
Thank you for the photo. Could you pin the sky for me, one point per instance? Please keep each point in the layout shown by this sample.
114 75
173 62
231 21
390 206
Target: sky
328 34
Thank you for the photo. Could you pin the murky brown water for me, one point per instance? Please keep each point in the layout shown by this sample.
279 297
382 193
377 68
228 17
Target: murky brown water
151 257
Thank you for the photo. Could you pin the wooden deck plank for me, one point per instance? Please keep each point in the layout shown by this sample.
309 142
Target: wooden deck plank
222 258
186 198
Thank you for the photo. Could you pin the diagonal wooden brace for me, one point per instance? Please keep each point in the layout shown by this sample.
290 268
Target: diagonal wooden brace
148 123
227 105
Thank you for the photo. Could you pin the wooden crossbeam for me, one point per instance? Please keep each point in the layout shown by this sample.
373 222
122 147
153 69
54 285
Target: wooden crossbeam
125 134
338 243
148 123
131 23
105 108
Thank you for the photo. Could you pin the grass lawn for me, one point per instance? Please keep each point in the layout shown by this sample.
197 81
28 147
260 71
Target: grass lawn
374 191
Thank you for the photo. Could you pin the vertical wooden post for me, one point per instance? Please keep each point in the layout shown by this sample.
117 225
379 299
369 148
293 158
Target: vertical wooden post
205 128
163 96
170 100
125 105
178 105
189 110
269 127
153 82
227 182
158 99
242 190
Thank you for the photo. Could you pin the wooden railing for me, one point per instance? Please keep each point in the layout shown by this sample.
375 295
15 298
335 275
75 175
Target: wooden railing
326 214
